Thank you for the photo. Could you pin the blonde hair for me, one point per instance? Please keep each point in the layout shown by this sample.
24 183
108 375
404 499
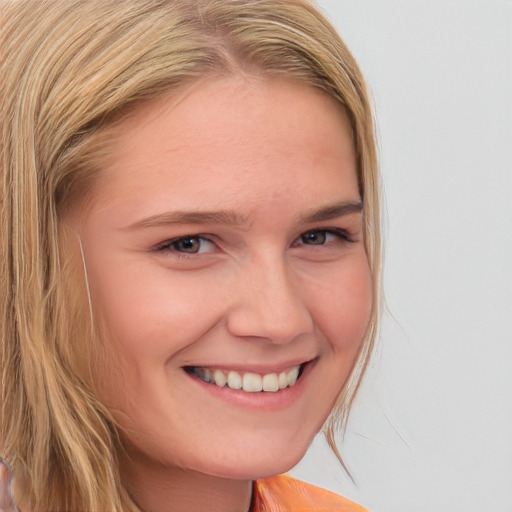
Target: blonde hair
68 68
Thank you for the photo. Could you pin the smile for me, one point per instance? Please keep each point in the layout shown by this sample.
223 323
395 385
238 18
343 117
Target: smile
248 381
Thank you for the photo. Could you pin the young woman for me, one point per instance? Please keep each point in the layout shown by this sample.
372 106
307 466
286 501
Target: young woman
190 251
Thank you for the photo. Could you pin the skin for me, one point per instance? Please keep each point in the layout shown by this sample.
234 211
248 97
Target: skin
263 287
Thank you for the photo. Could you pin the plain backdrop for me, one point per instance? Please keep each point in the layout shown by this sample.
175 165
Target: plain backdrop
431 430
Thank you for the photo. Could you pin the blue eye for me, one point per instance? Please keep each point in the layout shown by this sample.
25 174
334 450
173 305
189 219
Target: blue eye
186 245
314 237
323 237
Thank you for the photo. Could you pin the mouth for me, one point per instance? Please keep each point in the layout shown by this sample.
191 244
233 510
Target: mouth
248 381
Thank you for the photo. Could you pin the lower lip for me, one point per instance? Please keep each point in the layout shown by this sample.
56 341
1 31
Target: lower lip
265 401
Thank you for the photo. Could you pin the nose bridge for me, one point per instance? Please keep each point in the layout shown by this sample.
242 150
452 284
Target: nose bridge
268 302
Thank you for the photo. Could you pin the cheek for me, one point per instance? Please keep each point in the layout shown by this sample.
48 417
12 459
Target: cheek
144 317
343 312
143 308
342 306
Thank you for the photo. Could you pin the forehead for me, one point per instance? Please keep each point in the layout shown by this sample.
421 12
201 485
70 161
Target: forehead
221 136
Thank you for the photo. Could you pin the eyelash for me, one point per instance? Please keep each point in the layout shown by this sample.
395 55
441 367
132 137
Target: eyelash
170 245
343 237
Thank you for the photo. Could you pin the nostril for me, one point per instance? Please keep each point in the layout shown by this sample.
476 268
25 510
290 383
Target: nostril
273 324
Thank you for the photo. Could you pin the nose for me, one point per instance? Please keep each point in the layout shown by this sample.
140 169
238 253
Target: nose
268 303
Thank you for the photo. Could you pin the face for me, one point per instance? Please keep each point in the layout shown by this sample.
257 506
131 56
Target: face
224 250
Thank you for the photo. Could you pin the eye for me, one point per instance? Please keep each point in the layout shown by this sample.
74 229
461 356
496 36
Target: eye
187 245
314 237
324 237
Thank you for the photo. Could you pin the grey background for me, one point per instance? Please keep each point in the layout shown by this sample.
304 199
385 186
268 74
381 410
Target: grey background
432 427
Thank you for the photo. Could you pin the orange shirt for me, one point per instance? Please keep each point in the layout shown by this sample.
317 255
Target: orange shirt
285 494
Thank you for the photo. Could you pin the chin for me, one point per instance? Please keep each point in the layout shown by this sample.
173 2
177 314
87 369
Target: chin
253 464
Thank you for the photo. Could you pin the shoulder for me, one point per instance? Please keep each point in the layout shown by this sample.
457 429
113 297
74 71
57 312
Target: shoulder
283 493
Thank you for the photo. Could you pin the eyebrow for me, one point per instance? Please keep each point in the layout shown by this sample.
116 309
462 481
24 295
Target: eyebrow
223 217
231 218
333 211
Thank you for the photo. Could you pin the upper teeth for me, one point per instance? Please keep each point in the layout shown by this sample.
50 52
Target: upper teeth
249 382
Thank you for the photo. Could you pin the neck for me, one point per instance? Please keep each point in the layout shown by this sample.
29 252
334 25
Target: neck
164 489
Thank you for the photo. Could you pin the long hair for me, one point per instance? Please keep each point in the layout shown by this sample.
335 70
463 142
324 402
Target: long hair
68 68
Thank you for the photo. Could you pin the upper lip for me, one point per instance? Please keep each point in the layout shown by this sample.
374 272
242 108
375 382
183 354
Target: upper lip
261 368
